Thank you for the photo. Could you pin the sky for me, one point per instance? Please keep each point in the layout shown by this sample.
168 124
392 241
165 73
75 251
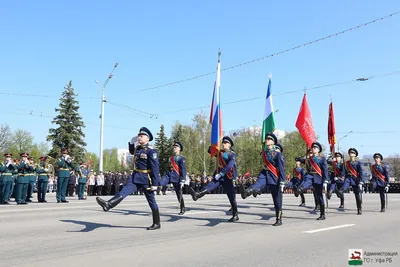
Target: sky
45 44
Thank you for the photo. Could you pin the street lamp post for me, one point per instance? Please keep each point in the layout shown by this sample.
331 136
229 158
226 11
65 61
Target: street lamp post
342 139
103 100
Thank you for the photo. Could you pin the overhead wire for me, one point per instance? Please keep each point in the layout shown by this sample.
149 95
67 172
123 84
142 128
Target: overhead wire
273 54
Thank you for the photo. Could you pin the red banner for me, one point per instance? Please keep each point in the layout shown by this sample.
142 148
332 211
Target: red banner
331 129
304 123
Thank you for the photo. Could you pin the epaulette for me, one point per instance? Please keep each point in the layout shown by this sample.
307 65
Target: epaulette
150 147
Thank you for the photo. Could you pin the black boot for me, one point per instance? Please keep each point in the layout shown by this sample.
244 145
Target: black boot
246 192
383 205
235 216
156 221
158 190
197 195
278 214
296 192
107 205
183 210
341 203
317 207
303 201
329 194
322 216
359 208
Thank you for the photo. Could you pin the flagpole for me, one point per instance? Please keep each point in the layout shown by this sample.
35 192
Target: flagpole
218 82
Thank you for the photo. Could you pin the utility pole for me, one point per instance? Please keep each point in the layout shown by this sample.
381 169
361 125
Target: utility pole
103 100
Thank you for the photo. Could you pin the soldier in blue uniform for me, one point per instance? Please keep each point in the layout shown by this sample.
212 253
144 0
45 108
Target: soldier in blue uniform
354 177
317 176
273 175
6 168
146 176
337 178
380 178
298 174
83 172
177 174
65 166
43 179
31 180
225 176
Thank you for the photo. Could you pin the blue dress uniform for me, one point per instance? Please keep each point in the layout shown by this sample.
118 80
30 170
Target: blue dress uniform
82 180
380 179
226 176
317 176
273 175
64 168
316 200
354 178
298 174
31 180
176 176
337 179
7 169
146 177
43 180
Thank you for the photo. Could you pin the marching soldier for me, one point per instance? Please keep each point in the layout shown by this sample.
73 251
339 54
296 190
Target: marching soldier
177 174
303 161
22 182
380 178
298 174
65 166
146 176
7 168
354 177
225 176
82 180
43 179
317 177
337 178
273 175
31 179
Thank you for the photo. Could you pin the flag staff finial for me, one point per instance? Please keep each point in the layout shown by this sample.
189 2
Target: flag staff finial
331 97
305 90
219 53
270 75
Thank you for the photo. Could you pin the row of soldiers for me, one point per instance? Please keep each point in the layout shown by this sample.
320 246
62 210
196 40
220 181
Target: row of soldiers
146 176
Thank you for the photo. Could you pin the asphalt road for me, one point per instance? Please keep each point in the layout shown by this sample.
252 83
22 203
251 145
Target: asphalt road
79 233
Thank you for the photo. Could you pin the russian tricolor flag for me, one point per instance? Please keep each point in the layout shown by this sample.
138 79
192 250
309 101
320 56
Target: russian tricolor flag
215 114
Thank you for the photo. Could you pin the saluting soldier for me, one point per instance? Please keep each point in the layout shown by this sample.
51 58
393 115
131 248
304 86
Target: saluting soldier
225 175
7 168
31 179
298 174
177 174
317 176
273 175
354 177
43 179
65 166
83 172
380 178
337 178
146 176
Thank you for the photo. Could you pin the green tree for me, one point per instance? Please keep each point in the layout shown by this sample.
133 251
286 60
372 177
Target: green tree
293 146
163 146
5 137
111 161
69 133
21 141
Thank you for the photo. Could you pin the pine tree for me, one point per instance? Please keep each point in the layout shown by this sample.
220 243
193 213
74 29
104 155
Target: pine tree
164 149
69 133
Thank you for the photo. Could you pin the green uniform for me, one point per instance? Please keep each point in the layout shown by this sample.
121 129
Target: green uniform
6 181
63 175
82 183
31 180
22 182
43 180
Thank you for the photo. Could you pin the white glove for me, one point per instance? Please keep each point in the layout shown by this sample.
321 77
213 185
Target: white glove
325 186
360 186
46 170
8 163
282 187
217 176
134 140
335 178
386 188
182 184
153 188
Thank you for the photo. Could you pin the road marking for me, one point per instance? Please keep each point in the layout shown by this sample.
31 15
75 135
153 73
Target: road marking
328 228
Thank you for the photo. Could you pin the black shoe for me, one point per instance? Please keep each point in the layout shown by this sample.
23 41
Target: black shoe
341 206
234 218
322 216
64 201
383 206
359 207
246 192
156 221
329 195
302 204
107 205
197 195
317 208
